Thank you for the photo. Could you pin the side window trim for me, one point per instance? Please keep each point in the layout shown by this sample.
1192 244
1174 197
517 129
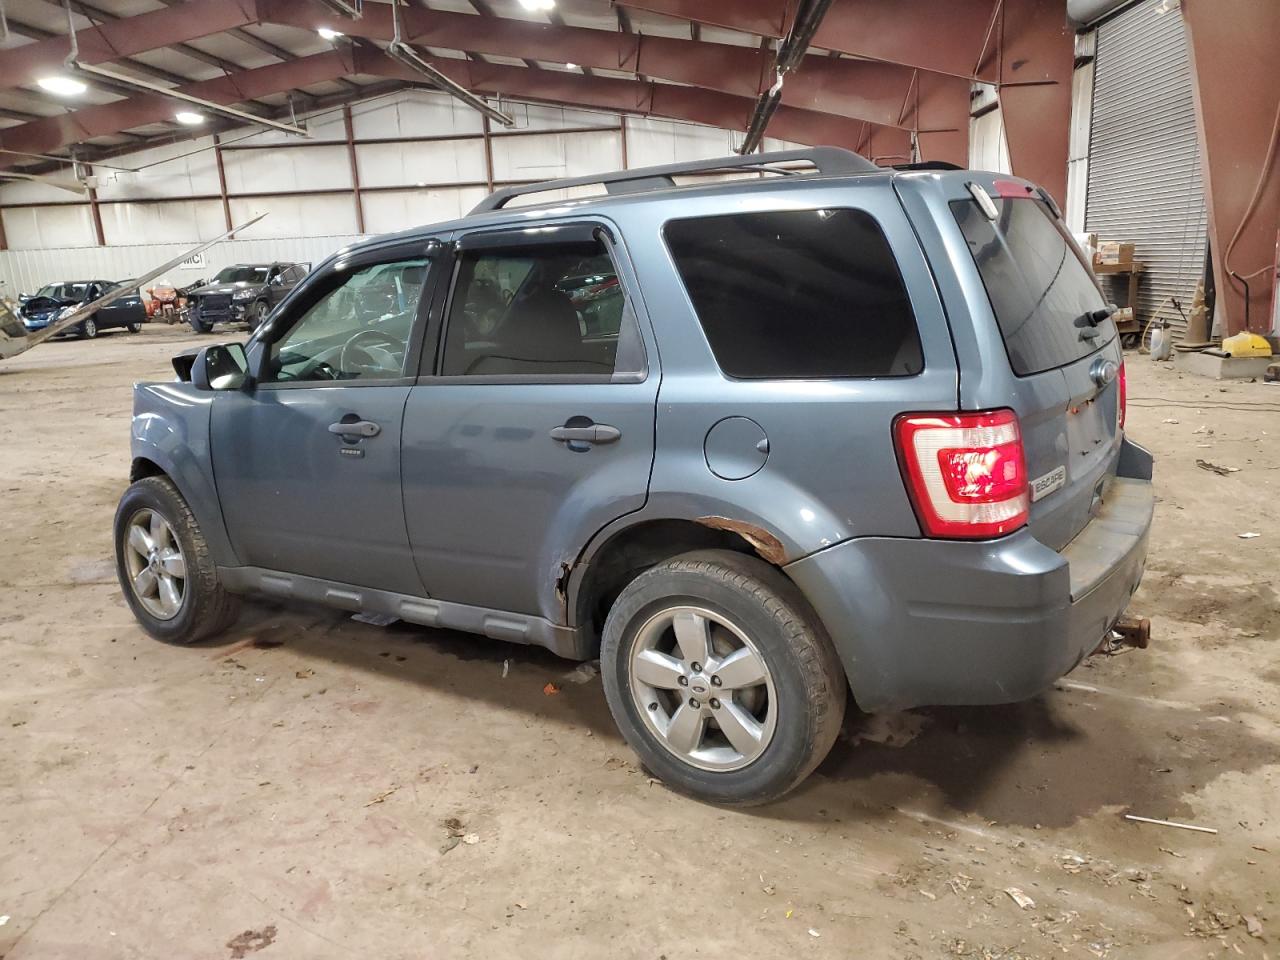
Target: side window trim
296 308
507 237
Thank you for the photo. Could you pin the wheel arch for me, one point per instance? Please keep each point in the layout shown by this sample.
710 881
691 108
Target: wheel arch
620 555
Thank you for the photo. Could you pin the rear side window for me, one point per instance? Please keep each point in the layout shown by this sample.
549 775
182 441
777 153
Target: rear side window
1037 285
797 294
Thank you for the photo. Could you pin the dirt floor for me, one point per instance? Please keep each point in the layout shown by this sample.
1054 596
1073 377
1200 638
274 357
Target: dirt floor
308 786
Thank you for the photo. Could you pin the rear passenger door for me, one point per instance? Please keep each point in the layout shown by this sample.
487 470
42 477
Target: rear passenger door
534 426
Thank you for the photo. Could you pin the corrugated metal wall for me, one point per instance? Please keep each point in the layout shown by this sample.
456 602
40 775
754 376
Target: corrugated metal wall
1144 161
170 205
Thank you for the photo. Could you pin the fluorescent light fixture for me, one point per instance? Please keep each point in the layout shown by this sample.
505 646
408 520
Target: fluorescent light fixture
571 66
327 33
62 86
188 118
538 5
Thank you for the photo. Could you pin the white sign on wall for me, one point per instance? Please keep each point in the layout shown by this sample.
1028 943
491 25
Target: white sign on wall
193 263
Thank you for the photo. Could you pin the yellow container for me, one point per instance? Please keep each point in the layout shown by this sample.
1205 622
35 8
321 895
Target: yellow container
1246 345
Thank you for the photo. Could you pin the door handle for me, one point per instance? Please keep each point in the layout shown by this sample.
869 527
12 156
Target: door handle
356 429
592 433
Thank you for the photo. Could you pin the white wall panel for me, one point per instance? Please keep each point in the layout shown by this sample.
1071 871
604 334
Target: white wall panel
170 171
402 209
31 191
297 216
533 116
543 156
651 141
1078 147
414 115
403 164
31 228
23 271
286 170
988 148
175 221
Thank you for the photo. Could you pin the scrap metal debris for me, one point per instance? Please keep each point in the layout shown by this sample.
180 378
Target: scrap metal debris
583 672
1250 535
550 689
1021 899
251 941
1216 468
1169 823
382 796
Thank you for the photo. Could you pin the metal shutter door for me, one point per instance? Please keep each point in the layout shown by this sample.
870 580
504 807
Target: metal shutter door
1144 159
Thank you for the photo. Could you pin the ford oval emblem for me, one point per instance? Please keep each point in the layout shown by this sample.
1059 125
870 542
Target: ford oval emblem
1103 371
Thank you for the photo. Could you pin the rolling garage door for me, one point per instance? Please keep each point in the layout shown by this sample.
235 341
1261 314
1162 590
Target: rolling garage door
1144 161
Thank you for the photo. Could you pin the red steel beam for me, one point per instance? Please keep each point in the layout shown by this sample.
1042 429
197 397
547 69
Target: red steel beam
24 65
1237 88
945 36
709 107
854 89
50 133
1036 59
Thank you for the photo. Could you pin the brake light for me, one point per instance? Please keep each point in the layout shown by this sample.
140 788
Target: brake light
965 472
1123 401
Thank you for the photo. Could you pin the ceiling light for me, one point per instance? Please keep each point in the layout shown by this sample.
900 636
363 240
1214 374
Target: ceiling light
329 34
571 66
188 118
537 5
62 86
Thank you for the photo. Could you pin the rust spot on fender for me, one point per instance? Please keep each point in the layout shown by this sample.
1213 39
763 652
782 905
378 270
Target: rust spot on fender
562 586
765 543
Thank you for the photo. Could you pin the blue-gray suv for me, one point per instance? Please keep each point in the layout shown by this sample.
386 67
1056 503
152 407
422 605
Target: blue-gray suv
759 445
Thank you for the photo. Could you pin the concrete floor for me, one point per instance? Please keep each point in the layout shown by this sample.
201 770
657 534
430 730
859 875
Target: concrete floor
296 787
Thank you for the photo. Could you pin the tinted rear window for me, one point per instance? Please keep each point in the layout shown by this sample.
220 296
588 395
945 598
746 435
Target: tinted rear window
1037 284
797 294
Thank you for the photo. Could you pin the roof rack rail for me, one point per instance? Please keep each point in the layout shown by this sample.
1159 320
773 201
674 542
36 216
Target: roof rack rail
829 161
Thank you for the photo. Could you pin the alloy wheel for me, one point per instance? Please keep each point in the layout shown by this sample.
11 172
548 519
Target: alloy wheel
157 569
703 688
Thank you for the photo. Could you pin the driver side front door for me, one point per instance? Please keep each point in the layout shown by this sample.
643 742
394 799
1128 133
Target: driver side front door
307 460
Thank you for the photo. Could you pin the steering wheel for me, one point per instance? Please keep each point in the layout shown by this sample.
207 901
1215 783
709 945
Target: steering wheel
356 348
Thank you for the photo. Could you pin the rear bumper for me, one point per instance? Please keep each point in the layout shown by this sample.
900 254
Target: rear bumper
935 622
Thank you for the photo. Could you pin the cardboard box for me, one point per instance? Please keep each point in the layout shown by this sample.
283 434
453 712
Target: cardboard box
1114 253
1122 316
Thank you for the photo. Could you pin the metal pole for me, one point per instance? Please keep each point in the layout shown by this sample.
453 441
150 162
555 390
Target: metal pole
355 170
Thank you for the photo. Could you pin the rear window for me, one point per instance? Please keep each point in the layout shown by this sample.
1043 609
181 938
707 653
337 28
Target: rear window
1036 283
797 294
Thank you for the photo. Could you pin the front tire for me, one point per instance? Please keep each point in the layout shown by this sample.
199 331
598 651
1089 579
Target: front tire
260 311
721 678
89 329
166 573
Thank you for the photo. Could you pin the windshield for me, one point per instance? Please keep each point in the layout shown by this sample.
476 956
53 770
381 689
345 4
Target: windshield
63 291
242 274
1040 289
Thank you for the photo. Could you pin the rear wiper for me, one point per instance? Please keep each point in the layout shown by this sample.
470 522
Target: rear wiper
1094 317
1088 322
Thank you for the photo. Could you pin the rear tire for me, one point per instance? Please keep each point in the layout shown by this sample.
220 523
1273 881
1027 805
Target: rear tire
767 668
135 327
157 540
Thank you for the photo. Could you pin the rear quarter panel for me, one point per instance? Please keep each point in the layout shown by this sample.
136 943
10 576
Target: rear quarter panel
831 472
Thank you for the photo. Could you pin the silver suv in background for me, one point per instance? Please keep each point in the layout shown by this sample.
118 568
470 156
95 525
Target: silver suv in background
758 445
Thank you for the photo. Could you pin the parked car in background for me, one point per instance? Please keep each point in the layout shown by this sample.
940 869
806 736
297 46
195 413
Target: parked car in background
50 301
755 444
242 293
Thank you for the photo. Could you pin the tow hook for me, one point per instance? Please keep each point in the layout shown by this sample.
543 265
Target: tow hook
1126 632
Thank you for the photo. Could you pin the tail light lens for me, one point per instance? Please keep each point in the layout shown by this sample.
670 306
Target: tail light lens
1122 402
965 472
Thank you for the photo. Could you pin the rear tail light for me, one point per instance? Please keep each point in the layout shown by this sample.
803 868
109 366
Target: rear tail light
1122 402
965 472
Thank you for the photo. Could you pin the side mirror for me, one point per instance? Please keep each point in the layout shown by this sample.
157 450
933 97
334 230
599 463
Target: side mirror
24 297
277 280
223 366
